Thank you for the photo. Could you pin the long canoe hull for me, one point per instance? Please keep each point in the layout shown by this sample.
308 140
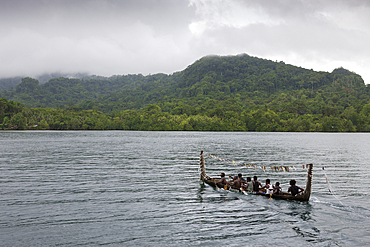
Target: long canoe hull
302 197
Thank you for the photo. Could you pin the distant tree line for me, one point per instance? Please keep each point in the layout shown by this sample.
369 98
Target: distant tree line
15 116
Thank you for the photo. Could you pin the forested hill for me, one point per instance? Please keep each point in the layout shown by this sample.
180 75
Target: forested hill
214 77
12 82
244 73
238 91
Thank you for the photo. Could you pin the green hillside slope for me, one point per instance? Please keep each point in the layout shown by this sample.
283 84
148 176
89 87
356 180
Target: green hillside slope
214 93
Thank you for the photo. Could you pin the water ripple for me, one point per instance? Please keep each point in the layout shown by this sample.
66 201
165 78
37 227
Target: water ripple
125 188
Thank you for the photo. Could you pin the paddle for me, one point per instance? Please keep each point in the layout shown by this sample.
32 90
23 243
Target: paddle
228 179
244 192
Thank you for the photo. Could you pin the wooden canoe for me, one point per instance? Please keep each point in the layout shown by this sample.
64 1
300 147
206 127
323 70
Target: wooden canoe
302 197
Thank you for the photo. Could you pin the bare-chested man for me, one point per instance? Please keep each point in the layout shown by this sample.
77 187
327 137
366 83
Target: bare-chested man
236 184
222 181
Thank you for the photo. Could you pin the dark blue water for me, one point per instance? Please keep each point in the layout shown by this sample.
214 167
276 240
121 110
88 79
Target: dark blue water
121 188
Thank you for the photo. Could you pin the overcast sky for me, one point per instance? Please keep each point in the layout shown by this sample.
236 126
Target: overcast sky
117 37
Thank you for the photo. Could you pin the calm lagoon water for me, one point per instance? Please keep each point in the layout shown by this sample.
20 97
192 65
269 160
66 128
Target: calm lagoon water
122 188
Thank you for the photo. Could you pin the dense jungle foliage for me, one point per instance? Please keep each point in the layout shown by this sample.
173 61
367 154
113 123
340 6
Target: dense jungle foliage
216 93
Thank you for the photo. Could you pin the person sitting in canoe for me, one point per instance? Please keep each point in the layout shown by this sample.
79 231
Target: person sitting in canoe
249 184
277 188
242 181
269 187
235 184
293 188
256 184
222 181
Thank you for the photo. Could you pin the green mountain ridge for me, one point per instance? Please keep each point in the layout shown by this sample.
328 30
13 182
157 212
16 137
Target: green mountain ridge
216 92
211 76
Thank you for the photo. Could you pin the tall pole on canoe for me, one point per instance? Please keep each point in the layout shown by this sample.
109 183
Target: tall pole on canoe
309 180
203 174
305 195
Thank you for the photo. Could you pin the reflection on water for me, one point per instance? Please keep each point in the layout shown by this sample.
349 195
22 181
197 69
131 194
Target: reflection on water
301 209
142 189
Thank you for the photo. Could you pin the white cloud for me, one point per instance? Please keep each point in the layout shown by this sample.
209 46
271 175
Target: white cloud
234 14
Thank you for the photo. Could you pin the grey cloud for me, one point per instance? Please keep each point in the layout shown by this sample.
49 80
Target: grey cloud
95 36
94 15
109 37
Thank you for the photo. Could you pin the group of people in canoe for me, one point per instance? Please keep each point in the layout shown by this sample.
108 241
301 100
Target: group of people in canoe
239 183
